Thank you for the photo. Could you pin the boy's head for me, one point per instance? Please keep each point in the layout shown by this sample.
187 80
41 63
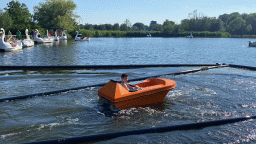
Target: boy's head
124 77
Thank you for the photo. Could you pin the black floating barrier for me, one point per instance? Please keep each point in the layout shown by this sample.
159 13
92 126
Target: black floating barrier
102 84
108 136
47 93
98 66
243 67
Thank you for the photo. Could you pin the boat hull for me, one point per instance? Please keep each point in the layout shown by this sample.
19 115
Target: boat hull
8 48
28 43
153 91
145 100
252 44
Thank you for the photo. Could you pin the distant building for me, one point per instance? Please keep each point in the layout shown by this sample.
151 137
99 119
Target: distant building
151 23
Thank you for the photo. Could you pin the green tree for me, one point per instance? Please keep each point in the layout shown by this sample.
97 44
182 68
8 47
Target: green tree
216 25
224 19
116 27
101 27
108 27
184 26
156 27
168 27
233 16
128 24
236 26
5 20
19 14
56 13
251 20
140 26
134 28
168 23
204 24
248 28
81 26
123 27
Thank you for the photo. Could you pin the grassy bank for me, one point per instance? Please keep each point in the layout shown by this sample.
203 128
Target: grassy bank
101 33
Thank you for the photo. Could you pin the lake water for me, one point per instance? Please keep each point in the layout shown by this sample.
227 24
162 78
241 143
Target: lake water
208 95
100 51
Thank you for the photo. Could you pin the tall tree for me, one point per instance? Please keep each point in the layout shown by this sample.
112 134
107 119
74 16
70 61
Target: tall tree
224 18
168 27
116 26
5 20
19 14
237 26
156 27
184 26
108 26
128 24
58 13
88 26
140 26
123 27
216 25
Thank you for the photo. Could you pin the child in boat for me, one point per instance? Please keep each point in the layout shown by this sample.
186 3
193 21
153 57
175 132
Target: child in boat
14 42
124 78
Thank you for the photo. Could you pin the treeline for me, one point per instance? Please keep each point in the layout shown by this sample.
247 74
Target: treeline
234 23
59 14
108 33
51 15
227 24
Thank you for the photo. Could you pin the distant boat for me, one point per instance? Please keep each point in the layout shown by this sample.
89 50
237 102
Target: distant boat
79 37
251 43
149 35
191 36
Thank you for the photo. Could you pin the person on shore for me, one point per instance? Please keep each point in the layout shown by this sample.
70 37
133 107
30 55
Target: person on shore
18 34
32 34
124 78
9 35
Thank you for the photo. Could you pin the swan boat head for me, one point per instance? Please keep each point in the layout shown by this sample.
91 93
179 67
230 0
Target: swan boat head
2 35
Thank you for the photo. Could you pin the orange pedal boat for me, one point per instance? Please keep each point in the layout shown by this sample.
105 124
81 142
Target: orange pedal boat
153 91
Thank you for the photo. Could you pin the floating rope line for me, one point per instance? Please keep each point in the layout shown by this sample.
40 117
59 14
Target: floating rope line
98 66
108 136
102 84
243 67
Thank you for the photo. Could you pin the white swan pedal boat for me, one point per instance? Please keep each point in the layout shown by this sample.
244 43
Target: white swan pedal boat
40 40
56 38
27 42
79 37
191 36
6 46
63 35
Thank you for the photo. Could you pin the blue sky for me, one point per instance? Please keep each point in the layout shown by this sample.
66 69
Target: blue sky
117 11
